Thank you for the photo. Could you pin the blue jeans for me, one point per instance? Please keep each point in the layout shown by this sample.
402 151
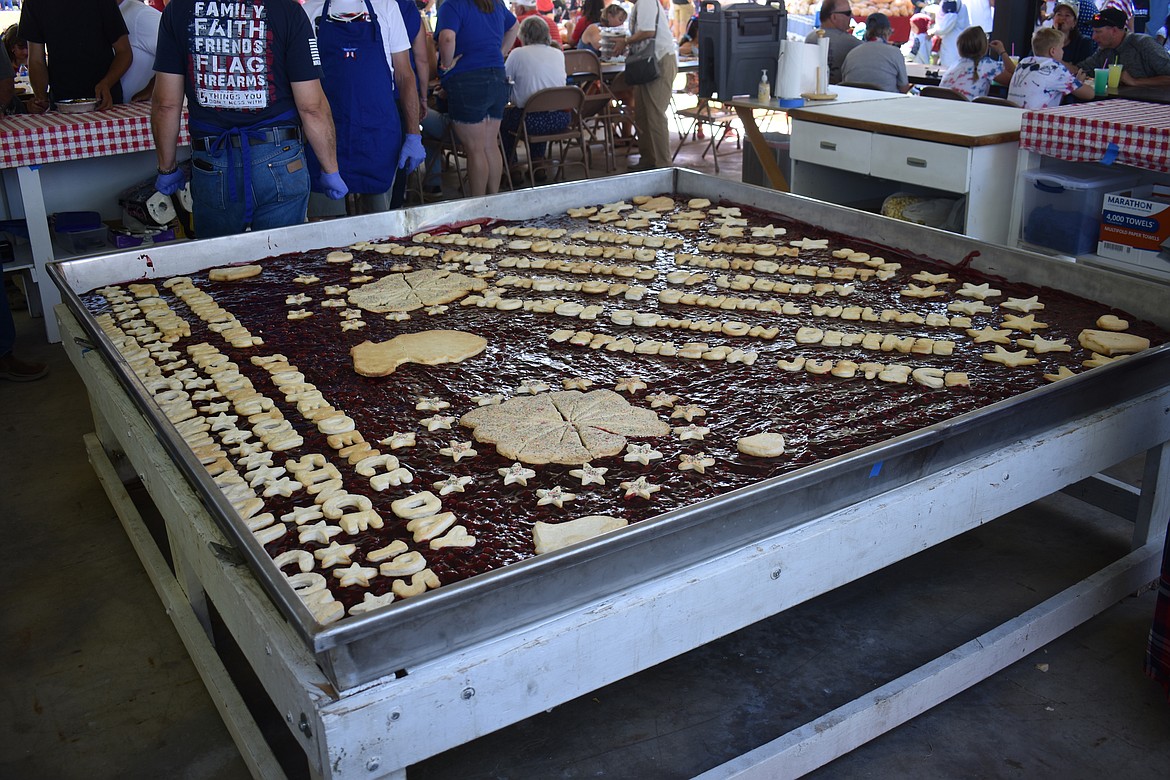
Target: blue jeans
280 188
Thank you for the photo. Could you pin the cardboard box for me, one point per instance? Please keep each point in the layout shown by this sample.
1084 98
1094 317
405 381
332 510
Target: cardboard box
1135 227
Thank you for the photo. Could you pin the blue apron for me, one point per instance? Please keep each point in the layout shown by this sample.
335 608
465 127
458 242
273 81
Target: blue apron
363 99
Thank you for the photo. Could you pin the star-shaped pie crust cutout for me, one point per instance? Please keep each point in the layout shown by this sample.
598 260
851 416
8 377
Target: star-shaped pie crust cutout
1010 359
320 532
352 324
634 224
658 400
557 496
1023 305
350 314
688 412
620 205
724 231
531 388
589 474
1064 372
306 279
915 291
586 211
725 211
685 224
970 308
692 431
979 291
697 462
223 422
1027 323
692 214
810 243
370 602
1041 345
929 278
335 554
577 383
336 289
302 515
437 422
361 267
431 404
300 299
451 485
768 231
990 334
355 574
517 473
282 487
629 384
247 448
641 453
488 400
398 440
640 487
458 450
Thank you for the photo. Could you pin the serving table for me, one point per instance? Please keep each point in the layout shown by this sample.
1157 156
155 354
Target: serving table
851 153
474 657
70 162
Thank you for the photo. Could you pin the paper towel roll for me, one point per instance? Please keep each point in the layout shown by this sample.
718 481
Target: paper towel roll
796 68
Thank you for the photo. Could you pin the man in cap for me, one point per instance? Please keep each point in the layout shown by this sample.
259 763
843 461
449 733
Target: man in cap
1143 62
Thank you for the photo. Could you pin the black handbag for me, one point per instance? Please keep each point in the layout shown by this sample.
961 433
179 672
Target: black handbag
641 64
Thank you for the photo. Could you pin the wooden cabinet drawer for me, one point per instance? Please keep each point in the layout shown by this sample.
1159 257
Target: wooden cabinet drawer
836 147
940 166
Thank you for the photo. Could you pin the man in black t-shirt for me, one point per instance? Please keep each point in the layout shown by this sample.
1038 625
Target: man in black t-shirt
76 49
252 78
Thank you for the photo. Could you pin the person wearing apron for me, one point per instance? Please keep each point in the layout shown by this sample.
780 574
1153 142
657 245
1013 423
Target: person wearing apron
364 95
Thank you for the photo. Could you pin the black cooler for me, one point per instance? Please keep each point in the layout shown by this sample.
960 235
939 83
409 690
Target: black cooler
736 42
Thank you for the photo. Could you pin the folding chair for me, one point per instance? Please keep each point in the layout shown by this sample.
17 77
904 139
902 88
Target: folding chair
703 114
452 149
942 92
598 111
996 101
568 99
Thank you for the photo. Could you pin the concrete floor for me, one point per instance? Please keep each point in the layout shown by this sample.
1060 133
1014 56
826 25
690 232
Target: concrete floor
97 684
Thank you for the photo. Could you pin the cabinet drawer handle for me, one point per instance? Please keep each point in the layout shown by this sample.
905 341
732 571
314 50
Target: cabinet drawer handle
916 162
832 147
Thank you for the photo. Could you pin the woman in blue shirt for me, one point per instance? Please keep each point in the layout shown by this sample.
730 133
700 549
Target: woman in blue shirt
473 36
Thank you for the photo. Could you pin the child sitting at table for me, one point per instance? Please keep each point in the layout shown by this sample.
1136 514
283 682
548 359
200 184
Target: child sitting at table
974 73
1042 80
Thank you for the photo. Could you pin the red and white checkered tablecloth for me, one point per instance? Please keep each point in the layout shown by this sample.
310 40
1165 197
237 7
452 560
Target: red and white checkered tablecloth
36 139
1140 133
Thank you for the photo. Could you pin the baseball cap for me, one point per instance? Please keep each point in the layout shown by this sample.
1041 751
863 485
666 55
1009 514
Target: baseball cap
1072 7
1110 17
544 6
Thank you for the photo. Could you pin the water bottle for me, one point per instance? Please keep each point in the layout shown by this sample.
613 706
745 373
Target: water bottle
764 94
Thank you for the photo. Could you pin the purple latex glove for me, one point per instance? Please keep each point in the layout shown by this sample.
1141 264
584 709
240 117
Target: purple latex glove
412 154
170 183
332 185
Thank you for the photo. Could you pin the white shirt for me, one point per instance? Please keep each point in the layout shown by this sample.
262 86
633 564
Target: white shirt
533 68
645 15
389 21
142 23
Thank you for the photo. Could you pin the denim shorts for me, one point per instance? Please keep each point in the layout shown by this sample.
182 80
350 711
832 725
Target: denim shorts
476 95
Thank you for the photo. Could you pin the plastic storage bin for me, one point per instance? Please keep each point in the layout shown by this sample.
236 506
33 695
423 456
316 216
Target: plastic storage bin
1062 204
77 232
736 43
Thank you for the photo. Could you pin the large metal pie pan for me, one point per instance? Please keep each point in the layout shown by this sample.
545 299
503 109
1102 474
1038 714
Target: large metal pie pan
361 649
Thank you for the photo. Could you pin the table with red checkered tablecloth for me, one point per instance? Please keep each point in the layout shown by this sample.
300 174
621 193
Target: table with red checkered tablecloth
1127 132
36 139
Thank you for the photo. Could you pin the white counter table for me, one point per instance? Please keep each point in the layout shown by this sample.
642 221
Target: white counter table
854 153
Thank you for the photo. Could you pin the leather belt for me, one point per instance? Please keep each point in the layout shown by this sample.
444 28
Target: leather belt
268 135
